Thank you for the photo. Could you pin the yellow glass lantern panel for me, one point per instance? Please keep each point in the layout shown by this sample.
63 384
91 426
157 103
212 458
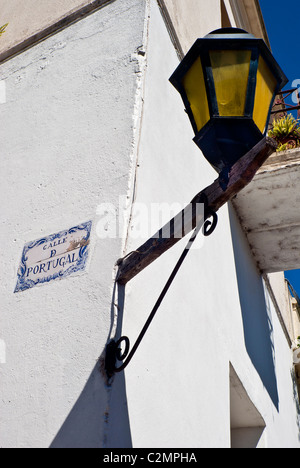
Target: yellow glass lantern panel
194 86
230 70
265 88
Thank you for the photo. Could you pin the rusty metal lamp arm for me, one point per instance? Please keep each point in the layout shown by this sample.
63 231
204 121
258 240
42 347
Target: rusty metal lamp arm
213 197
114 352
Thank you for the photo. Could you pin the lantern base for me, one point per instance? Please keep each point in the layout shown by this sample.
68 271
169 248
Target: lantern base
223 141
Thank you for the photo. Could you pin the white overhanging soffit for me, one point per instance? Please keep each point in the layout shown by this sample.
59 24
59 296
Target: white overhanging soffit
268 209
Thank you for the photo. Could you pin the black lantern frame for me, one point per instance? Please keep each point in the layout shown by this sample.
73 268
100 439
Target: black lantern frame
225 139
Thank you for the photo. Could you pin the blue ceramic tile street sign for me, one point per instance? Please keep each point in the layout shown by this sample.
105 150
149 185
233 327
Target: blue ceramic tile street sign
54 257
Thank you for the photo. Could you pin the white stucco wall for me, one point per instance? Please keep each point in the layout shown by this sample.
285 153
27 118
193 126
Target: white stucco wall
66 134
215 313
193 18
89 116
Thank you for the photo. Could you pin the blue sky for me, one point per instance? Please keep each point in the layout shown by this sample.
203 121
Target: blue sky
282 23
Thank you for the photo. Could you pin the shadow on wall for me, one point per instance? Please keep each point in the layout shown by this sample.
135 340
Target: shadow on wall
296 394
99 418
258 329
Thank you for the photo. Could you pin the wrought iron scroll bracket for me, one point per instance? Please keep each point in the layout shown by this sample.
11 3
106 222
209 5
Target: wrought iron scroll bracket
114 350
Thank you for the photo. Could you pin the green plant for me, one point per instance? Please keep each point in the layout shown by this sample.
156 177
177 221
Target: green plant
3 28
286 131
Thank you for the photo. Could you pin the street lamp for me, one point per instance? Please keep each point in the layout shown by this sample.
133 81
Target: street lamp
228 81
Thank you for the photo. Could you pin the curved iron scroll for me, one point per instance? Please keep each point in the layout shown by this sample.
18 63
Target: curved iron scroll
114 351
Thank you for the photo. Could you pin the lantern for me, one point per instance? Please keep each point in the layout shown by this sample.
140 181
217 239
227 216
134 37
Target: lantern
228 82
